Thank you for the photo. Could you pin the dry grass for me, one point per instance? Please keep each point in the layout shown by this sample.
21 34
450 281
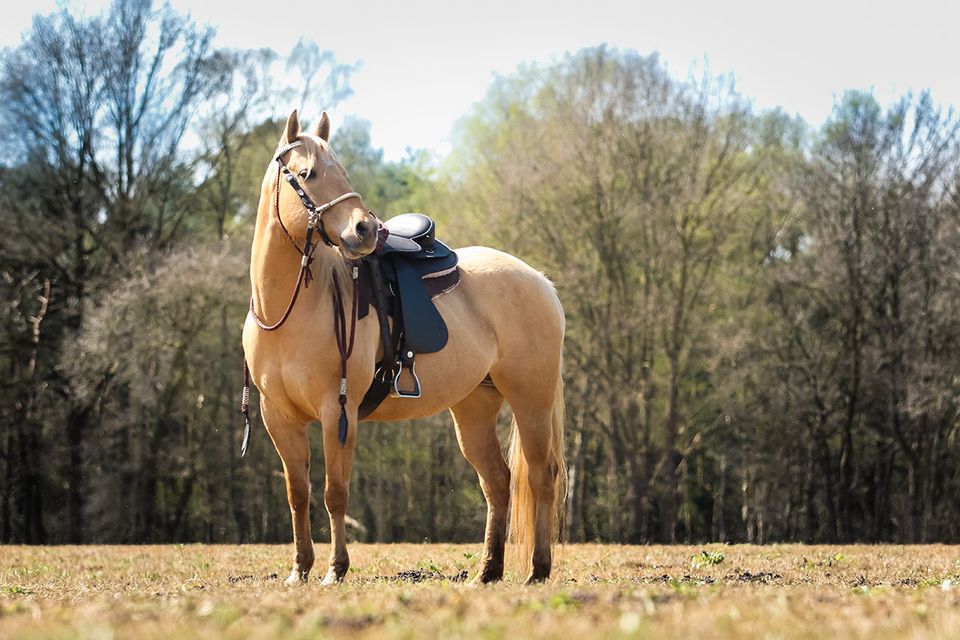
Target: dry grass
599 591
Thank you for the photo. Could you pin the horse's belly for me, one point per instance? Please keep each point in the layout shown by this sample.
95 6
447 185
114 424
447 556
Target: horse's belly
443 384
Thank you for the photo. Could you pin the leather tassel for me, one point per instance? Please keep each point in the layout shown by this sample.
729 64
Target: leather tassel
245 408
246 435
342 427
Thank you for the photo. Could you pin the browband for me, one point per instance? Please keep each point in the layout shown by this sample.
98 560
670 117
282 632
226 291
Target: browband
282 150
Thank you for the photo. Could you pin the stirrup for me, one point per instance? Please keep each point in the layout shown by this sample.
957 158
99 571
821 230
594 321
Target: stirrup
397 393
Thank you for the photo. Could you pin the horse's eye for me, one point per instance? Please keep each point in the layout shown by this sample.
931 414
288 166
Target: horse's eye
305 173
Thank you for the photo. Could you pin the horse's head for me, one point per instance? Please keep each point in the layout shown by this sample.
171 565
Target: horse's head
320 181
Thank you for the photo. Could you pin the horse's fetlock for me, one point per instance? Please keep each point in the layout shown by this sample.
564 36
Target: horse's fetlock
304 561
340 567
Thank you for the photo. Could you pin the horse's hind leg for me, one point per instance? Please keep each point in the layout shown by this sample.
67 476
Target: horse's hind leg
290 439
534 389
534 427
476 421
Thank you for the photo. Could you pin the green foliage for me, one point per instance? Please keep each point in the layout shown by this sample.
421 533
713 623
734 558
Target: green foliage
388 188
686 587
707 559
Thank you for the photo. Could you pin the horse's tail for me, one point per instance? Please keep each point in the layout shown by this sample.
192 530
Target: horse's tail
522 503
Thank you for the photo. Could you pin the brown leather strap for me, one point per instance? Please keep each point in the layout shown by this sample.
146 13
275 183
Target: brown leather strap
345 343
304 269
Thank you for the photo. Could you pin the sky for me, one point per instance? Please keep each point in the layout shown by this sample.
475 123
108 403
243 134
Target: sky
426 62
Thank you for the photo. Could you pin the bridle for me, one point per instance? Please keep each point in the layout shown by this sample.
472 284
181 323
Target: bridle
345 340
314 213
314 224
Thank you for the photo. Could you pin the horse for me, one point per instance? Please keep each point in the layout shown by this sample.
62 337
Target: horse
506 327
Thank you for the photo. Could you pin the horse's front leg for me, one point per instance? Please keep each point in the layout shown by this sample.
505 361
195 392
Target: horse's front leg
338 462
290 439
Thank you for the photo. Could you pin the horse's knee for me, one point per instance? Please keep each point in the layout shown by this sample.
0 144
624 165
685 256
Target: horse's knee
335 497
298 494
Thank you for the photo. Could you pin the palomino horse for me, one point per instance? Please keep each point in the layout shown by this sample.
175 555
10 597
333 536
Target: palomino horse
504 321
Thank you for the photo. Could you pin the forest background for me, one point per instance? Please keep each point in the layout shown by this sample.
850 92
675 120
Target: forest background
763 318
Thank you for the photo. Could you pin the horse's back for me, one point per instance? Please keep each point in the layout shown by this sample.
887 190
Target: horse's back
516 298
497 269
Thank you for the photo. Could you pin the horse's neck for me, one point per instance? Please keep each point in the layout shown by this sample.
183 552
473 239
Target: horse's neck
274 269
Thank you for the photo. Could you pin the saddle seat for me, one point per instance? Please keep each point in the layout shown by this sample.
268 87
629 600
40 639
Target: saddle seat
412 269
410 232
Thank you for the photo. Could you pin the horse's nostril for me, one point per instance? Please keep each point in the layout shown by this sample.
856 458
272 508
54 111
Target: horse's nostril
365 230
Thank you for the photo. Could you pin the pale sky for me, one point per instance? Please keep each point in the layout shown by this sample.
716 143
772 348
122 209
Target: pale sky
426 62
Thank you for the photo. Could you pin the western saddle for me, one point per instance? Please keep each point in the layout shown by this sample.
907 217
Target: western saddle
400 280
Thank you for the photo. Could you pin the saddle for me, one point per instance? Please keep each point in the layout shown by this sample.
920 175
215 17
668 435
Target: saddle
400 282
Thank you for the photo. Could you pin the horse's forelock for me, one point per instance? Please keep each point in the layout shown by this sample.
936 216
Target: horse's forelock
318 149
310 148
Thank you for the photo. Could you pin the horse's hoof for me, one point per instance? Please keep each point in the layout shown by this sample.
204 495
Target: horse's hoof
486 576
331 579
537 578
296 577
475 582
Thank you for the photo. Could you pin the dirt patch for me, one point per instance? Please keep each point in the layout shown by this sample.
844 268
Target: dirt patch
415 576
351 623
746 577
684 579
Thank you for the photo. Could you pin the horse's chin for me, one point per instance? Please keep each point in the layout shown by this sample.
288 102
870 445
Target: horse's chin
354 254
355 250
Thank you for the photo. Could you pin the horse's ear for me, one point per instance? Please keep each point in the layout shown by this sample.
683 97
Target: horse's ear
323 127
293 128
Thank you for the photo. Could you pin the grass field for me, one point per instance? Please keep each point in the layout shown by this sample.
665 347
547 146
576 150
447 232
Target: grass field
401 591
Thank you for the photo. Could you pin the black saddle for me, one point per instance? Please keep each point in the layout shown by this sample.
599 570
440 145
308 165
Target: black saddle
412 269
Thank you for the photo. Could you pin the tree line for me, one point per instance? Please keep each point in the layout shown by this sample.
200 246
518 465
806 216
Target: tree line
762 315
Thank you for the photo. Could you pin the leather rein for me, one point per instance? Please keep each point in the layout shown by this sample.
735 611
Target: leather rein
345 338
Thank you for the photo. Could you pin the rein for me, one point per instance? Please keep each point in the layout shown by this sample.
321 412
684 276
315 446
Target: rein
304 277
